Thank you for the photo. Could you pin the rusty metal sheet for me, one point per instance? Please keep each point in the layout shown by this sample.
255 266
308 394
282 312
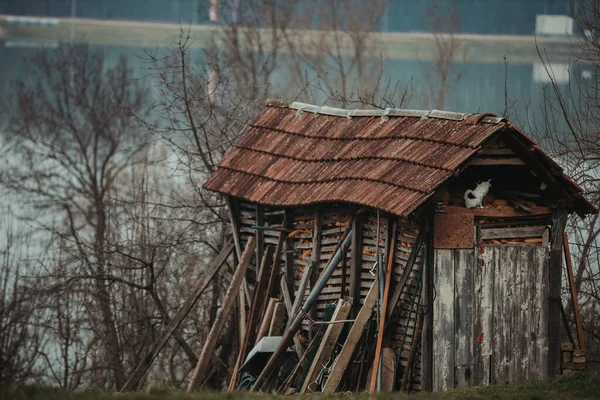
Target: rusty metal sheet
453 231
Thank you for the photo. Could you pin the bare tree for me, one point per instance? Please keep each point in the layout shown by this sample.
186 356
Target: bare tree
71 138
444 72
567 124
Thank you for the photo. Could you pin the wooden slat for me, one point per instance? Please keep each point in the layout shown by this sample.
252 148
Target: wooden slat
443 321
510 233
504 260
343 359
222 315
463 284
356 258
330 338
483 302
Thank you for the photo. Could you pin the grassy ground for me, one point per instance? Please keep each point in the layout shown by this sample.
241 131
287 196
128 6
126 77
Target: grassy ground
576 386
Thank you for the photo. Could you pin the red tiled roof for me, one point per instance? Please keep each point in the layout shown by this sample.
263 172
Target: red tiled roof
394 160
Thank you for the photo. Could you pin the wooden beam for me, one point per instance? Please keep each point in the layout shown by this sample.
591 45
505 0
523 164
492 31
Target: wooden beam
328 342
158 345
497 161
265 320
276 328
287 301
554 300
573 290
306 274
427 301
257 298
223 314
289 255
260 234
406 273
384 306
343 359
356 259
315 259
235 230
511 233
274 271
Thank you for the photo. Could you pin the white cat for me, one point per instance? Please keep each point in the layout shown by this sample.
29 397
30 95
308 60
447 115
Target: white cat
474 198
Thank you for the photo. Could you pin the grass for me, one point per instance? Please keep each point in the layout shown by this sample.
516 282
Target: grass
575 386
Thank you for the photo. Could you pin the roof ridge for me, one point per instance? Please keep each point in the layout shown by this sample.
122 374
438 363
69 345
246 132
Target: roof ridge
388 112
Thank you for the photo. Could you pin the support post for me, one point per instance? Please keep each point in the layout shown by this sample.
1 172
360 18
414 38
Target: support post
427 301
386 295
223 314
573 289
356 259
554 300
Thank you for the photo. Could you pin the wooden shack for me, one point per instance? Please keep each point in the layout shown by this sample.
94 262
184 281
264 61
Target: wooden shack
467 296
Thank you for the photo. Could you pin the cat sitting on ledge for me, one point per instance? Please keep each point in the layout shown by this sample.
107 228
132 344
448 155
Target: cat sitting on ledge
474 197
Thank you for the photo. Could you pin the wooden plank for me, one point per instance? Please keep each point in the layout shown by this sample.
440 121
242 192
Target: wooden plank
505 260
406 273
300 293
252 320
178 318
289 256
510 233
274 270
443 321
330 338
356 258
539 318
265 321
276 328
554 298
384 307
259 234
497 161
222 315
428 307
343 359
573 291
238 251
316 257
388 373
463 315
287 301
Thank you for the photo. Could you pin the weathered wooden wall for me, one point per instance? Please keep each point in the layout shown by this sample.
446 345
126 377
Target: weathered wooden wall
490 316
